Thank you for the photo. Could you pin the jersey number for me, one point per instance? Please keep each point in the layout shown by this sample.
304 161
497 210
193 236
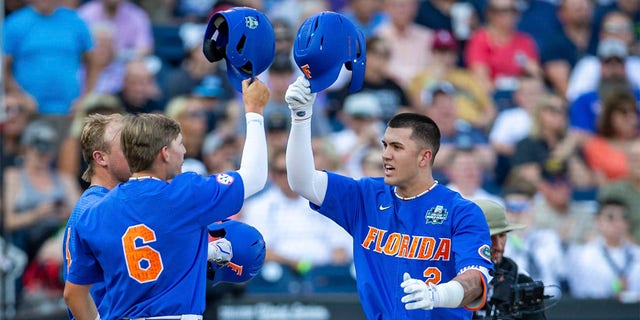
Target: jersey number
433 275
144 264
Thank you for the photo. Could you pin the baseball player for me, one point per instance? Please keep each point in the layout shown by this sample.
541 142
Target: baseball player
101 150
421 251
147 238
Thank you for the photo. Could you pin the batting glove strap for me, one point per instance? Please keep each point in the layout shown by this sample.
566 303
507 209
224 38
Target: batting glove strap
448 295
220 252
300 99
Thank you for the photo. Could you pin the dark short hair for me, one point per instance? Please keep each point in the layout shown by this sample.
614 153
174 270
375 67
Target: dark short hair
425 131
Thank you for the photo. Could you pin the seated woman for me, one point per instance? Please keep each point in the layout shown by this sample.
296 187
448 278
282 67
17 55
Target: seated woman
605 153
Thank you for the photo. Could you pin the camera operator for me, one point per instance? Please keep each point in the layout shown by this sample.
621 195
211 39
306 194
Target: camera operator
512 293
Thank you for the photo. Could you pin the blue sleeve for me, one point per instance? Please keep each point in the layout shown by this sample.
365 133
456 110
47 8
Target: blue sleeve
212 198
342 202
11 35
471 241
83 266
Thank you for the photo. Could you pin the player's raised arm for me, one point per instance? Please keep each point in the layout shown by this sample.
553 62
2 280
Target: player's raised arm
302 175
254 166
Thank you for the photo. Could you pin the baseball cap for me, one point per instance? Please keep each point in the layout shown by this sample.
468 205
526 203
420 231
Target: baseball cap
249 251
209 87
102 103
39 135
430 91
362 105
444 40
216 140
612 48
555 171
496 217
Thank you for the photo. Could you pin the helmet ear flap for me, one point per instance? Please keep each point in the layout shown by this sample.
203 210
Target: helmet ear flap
216 39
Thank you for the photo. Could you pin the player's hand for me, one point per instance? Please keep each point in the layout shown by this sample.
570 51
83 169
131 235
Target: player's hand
419 295
255 95
300 99
220 252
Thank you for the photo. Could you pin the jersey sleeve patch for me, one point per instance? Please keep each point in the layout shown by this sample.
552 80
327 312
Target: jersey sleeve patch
485 252
224 179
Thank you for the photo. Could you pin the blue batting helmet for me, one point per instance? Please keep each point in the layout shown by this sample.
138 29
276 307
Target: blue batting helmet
244 37
325 42
248 248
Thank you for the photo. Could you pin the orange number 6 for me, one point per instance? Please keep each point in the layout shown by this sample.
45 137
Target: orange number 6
136 255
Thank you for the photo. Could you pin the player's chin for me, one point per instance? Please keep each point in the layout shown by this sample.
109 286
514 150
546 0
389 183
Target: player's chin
390 180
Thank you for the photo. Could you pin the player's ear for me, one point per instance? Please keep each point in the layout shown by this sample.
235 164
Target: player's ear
425 157
164 153
98 158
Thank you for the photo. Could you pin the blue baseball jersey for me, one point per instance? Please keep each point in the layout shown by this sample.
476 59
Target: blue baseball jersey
148 239
433 237
89 198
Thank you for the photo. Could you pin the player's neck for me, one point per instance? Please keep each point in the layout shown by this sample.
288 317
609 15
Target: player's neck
147 175
410 195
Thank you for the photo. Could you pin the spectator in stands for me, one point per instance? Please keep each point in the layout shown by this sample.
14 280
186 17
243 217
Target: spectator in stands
19 111
277 125
215 94
363 130
455 133
465 175
616 26
606 152
587 108
45 46
561 50
497 53
130 24
38 201
473 101
131 36
548 143
367 15
631 9
555 208
390 95
534 11
70 158
371 163
140 93
290 228
535 250
284 34
409 42
194 68
220 152
514 124
610 262
190 114
628 190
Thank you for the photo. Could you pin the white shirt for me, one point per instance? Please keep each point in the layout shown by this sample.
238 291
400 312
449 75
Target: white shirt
592 276
292 229
585 76
511 126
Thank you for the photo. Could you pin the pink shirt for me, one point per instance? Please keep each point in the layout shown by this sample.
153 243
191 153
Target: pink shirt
502 59
410 50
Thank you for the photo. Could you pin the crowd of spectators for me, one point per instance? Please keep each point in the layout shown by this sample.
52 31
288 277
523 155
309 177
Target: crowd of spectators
537 102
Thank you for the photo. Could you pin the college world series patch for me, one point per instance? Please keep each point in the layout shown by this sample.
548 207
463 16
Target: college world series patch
436 215
224 178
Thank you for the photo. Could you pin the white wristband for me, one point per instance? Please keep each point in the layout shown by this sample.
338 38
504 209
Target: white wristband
448 295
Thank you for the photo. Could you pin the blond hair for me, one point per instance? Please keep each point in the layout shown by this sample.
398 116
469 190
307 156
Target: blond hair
92 138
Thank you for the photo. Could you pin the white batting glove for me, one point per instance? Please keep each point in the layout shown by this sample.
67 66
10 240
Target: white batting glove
220 252
419 294
300 99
